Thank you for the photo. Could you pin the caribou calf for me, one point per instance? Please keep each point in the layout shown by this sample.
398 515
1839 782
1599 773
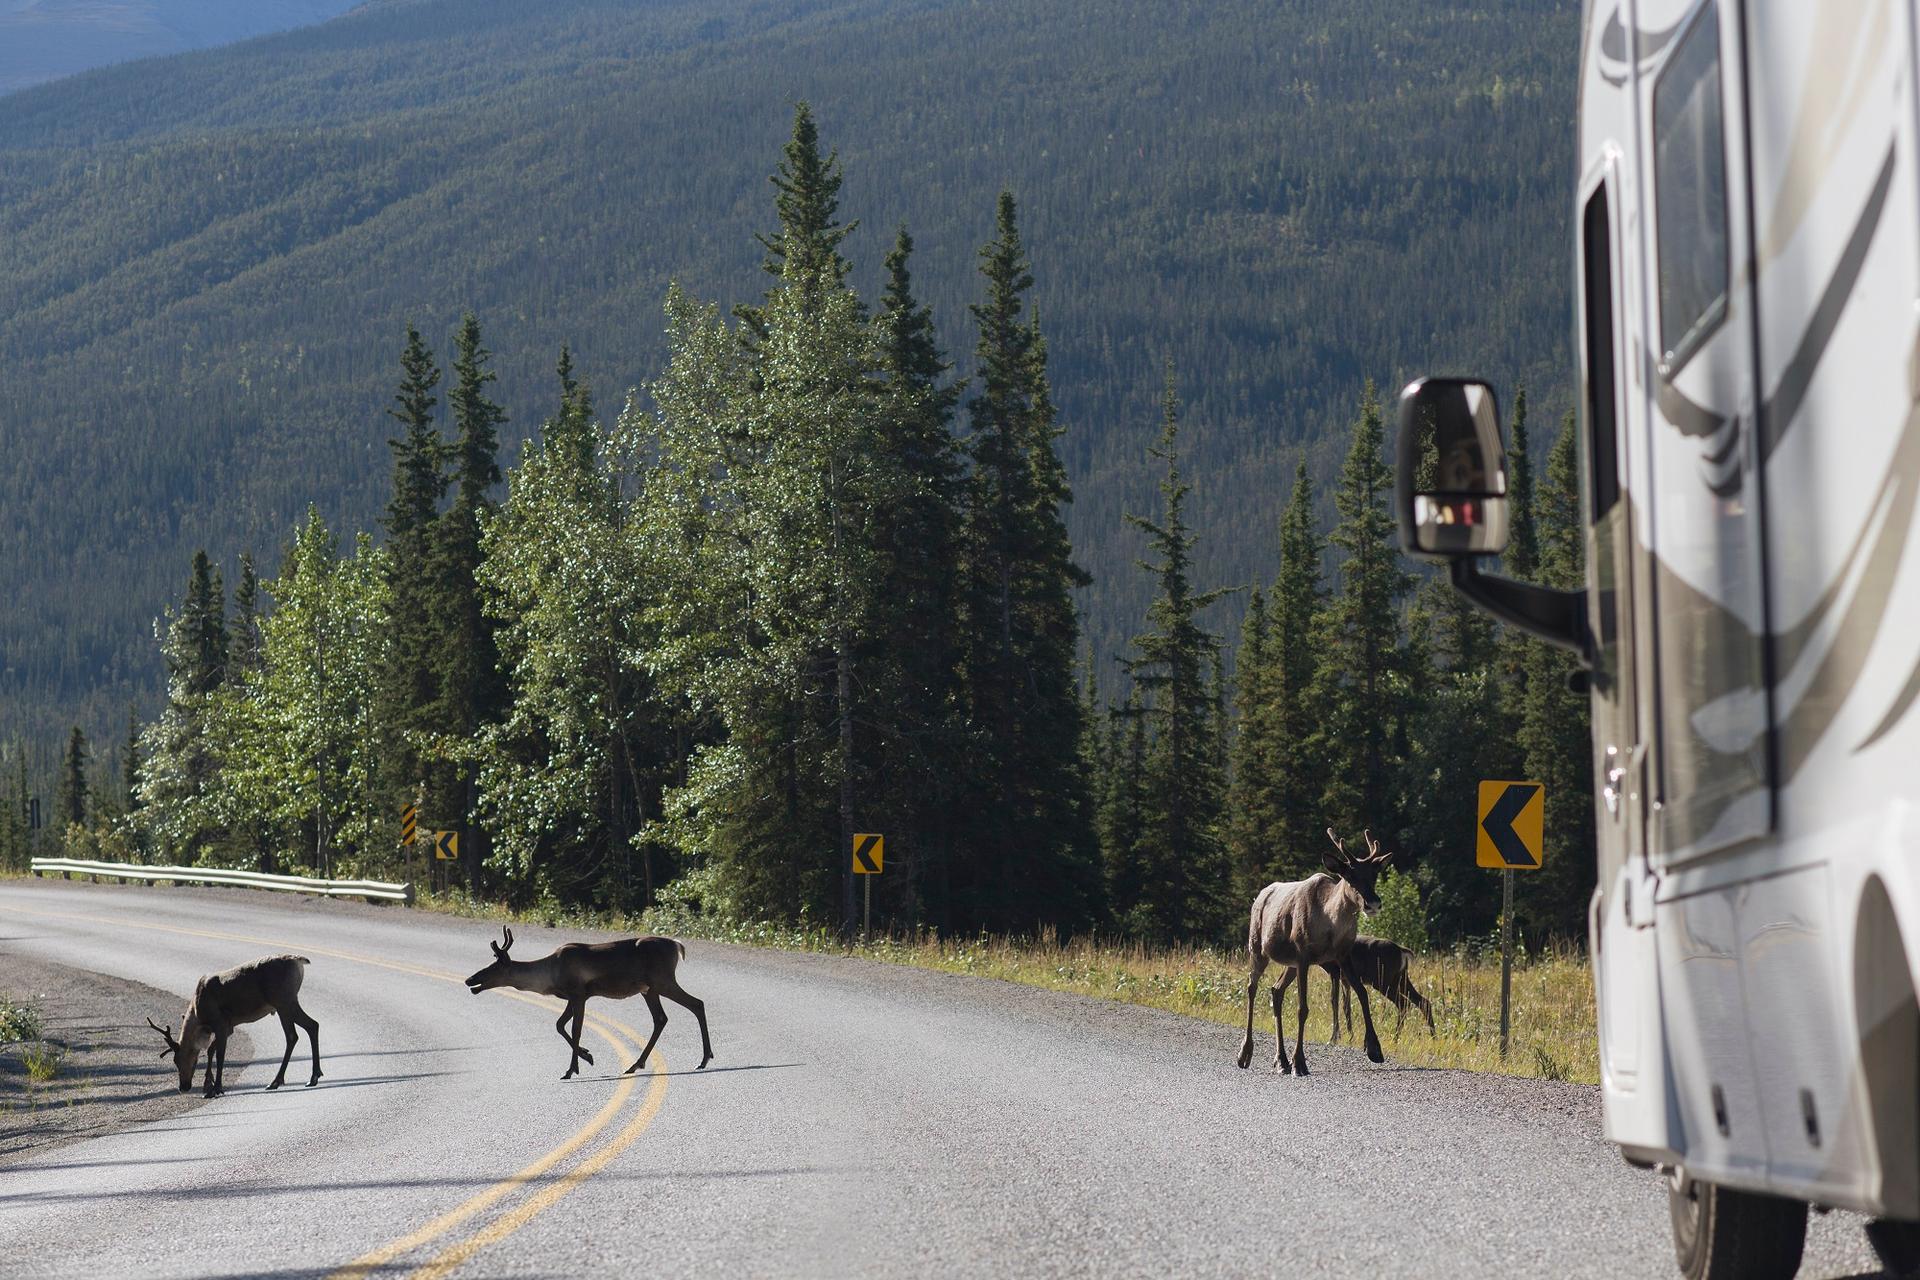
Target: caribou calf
222 1001
1387 968
1306 923
578 971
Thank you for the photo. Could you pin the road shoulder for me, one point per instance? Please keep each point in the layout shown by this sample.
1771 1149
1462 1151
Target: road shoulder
111 1076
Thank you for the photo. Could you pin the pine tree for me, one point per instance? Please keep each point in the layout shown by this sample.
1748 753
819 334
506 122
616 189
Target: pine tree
1295 776
806 247
913 658
1555 722
243 645
1252 808
1030 838
410 681
70 808
130 764
178 782
471 691
1180 854
1361 694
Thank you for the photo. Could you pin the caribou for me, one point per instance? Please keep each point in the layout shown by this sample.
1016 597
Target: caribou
578 971
1306 923
1386 967
223 1001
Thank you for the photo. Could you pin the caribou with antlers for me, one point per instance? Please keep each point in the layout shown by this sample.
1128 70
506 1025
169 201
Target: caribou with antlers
223 1001
578 971
1304 923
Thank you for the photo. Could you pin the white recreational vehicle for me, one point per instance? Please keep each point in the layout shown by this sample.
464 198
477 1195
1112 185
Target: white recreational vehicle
1747 257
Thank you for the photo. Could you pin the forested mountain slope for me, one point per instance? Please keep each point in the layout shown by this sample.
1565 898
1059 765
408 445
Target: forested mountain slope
206 262
44 39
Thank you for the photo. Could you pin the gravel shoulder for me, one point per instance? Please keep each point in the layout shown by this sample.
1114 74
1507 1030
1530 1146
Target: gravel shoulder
111 1076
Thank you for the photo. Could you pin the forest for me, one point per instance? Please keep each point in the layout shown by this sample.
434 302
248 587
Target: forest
208 261
816 578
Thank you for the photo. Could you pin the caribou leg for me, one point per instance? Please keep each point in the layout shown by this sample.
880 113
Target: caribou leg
1253 985
1300 1030
313 1041
1366 1011
1280 1060
293 1038
659 1025
576 1013
698 1008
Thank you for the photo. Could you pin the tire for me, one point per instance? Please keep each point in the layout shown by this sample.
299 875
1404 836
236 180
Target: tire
1897 1245
1722 1234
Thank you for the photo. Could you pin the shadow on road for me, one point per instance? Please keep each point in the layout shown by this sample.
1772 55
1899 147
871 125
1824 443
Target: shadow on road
689 1071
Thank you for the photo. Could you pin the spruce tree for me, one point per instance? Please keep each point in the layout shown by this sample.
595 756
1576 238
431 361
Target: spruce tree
1360 675
1180 855
1295 777
1030 850
914 652
130 764
244 658
471 690
1252 808
410 678
1555 721
806 247
178 783
70 808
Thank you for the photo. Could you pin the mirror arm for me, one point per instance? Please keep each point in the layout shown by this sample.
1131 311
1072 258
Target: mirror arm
1547 613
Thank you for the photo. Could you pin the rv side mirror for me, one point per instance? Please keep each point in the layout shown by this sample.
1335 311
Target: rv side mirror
1452 484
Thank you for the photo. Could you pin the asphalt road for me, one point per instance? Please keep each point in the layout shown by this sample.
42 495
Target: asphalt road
858 1120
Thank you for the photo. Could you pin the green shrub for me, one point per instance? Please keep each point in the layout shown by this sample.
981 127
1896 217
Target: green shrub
19 1020
1401 917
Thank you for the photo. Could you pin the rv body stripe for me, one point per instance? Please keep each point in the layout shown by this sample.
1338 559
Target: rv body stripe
1784 405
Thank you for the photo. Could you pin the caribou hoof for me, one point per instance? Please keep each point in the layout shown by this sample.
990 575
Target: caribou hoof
313 1082
635 1067
275 1085
586 1055
1374 1055
1300 1067
703 1063
1246 1056
1283 1068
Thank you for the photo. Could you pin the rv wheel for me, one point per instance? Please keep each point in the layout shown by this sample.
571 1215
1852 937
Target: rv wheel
1721 1234
1898 1246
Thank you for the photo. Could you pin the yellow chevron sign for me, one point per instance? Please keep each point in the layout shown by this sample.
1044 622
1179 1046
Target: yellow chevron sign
409 823
1512 815
869 854
446 846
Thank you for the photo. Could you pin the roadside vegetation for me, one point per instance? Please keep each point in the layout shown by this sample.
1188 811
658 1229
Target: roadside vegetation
25 1049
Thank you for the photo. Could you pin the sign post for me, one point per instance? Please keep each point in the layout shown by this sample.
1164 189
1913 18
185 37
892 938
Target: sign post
1509 837
869 856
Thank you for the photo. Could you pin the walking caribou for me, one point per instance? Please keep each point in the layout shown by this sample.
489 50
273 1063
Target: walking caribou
1304 923
222 1001
578 971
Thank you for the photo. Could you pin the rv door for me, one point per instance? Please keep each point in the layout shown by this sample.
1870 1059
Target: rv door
1621 917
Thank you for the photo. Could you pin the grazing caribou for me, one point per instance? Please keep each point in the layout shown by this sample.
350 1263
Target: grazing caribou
222 1001
578 971
1304 923
1387 968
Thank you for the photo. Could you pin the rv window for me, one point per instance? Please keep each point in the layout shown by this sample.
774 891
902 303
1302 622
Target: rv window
1596 237
1690 192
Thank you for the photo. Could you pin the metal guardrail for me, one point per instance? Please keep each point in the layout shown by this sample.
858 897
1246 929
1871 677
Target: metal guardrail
216 875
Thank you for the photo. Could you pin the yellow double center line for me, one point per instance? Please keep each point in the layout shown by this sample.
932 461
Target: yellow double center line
449 1259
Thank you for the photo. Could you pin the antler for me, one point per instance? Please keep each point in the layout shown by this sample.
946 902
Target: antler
500 949
1373 846
165 1034
1336 842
